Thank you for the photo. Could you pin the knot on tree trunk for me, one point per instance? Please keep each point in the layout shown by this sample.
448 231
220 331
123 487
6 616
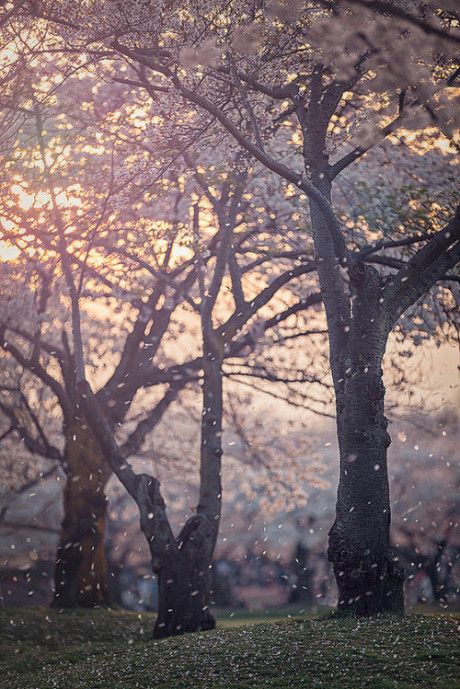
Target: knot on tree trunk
149 500
365 437
189 530
197 537
364 278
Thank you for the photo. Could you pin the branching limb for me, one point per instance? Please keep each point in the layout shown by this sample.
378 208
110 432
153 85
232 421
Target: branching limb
428 265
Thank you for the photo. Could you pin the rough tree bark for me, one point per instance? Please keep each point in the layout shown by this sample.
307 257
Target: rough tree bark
369 577
81 567
183 584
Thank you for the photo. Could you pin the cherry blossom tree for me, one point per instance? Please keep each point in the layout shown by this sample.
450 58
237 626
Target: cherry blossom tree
307 90
250 69
98 244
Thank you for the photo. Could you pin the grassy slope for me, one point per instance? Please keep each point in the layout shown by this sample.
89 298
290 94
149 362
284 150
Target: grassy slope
44 649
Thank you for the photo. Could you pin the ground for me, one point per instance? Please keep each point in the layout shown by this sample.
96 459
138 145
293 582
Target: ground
44 649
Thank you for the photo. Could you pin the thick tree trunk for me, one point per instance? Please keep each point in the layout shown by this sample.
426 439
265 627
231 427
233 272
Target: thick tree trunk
81 567
369 577
184 574
183 596
183 568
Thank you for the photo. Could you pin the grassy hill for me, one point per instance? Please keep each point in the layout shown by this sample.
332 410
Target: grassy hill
43 649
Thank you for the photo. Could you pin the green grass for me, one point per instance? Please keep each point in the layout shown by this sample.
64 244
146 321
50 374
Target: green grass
43 649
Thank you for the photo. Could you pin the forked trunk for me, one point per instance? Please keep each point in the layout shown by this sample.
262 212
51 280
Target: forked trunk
183 565
183 594
81 567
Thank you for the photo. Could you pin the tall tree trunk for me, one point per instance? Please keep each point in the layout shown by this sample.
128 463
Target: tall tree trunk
369 577
81 567
183 568
369 580
181 564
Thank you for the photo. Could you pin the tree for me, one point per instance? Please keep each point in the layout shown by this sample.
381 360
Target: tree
308 71
182 563
55 364
250 70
